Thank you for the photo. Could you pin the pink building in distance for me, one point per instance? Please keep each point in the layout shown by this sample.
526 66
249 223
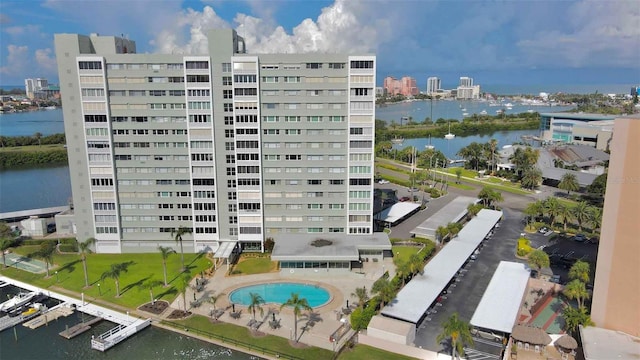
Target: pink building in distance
405 86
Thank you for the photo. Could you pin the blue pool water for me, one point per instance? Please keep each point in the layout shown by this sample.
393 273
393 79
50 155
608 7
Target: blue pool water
279 293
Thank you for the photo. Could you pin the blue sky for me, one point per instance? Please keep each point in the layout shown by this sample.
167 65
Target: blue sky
496 42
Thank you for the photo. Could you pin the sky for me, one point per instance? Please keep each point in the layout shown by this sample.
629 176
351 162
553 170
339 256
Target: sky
512 42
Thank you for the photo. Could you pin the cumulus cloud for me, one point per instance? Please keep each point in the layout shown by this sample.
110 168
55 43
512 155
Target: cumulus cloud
16 60
46 60
337 29
599 33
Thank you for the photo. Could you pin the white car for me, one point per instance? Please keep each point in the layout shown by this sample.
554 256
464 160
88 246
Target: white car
383 181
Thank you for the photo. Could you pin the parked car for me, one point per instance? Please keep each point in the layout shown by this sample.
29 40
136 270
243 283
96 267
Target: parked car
580 238
543 230
383 181
405 198
555 279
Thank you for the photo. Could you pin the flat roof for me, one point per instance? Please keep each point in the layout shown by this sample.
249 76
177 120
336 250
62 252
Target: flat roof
337 247
579 116
495 310
583 178
452 212
398 211
225 249
604 344
391 325
417 296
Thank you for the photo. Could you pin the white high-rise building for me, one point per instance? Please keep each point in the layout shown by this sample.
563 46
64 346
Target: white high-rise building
466 81
433 85
236 147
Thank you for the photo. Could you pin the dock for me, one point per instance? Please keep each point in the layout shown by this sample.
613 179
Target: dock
50 315
118 334
11 321
78 329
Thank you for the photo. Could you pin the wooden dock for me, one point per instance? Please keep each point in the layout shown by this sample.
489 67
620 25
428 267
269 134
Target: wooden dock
50 315
78 329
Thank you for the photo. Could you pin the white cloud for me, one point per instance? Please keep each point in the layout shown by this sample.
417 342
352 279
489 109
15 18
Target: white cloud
16 60
601 33
22 30
46 60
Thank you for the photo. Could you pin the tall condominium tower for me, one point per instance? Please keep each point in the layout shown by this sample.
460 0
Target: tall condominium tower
466 81
235 147
433 85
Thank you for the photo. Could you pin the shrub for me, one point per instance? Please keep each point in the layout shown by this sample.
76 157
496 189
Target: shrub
524 247
269 244
68 248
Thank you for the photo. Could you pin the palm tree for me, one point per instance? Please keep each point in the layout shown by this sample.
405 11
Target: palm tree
531 178
213 299
552 206
114 273
6 240
177 235
441 233
493 146
416 264
489 196
595 217
403 270
574 317
459 331
165 252
298 304
385 290
569 182
566 213
150 284
361 295
84 248
581 212
580 270
533 210
458 175
576 290
255 303
538 259
45 253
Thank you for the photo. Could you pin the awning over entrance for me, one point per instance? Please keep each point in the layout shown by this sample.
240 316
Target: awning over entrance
225 249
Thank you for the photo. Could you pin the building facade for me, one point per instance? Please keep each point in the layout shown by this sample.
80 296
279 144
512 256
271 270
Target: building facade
233 146
405 86
433 85
616 292
594 130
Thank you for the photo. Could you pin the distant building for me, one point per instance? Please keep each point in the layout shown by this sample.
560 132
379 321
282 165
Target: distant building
466 81
468 92
39 88
380 91
433 85
577 128
405 86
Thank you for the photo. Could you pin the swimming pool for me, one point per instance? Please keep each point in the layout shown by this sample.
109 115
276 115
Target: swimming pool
279 293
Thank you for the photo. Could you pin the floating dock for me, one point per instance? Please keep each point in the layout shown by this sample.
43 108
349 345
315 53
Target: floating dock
79 328
118 334
53 314
11 321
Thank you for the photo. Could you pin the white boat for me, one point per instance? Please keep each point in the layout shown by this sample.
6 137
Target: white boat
397 141
465 114
17 301
50 108
464 109
483 112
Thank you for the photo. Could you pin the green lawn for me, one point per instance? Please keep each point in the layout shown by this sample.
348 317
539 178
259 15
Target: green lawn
142 268
364 352
240 334
254 265
403 253
465 172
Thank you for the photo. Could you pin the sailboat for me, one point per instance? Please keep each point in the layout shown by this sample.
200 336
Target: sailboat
449 136
397 140
429 146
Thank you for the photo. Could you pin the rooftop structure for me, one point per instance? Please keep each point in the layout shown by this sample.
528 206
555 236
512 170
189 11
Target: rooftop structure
577 128
496 311
413 301
454 211
232 146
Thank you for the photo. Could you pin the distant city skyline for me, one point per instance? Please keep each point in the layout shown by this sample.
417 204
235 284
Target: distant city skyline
490 41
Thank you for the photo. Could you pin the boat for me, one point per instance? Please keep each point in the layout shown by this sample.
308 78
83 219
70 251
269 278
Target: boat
50 108
483 112
464 109
449 136
17 301
465 114
397 141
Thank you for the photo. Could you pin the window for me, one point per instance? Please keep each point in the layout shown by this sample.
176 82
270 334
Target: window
314 65
244 78
197 65
95 118
97 92
90 65
269 79
336 65
314 182
362 64
197 92
245 91
356 131
227 107
361 91
293 157
226 67
248 157
226 80
292 79
199 118
361 144
227 94
231 171
198 78
157 93
231 159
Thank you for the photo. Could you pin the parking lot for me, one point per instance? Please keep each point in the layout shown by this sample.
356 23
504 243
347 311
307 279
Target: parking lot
463 297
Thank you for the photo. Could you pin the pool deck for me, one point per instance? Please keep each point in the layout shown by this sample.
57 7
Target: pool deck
326 319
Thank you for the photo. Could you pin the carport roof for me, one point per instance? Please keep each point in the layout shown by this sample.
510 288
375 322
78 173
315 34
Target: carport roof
452 212
415 298
496 311
398 211
337 247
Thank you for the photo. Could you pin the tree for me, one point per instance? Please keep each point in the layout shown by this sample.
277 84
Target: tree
580 270
538 259
403 270
599 185
492 153
473 154
441 233
255 303
38 136
581 212
384 289
182 285
6 240
165 252
459 331
566 213
595 217
458 175
149 285
297 304
361 295
45 253
177 235
531 178
573 317
552 207
114 273
84 248
489 196
569 182
213 299
454 228
576 290
416 264
533 210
